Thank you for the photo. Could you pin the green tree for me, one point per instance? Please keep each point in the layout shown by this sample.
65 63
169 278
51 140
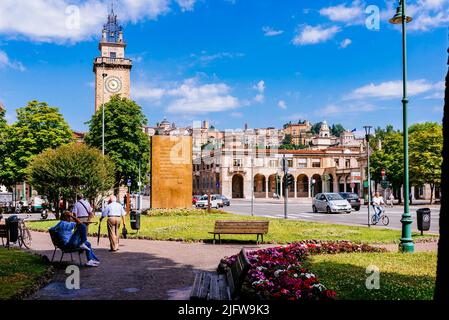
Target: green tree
337 129
315 129
389 157
426 146
38 128
69 170
125 142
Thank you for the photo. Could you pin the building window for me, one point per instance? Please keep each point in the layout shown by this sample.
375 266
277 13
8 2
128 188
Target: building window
348 163
290 163
273 163
237 162
316 163
302 163
113 55
337 162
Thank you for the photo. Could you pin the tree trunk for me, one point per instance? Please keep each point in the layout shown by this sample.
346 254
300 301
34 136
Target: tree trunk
442 280
432 188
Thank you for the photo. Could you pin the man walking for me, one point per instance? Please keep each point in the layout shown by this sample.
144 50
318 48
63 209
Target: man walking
391 200
83 211
115 212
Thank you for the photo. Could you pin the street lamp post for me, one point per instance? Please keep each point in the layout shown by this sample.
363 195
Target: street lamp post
406 244
367 132
104 75
252 184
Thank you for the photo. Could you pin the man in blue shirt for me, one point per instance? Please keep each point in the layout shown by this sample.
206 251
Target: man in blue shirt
73 234
115 214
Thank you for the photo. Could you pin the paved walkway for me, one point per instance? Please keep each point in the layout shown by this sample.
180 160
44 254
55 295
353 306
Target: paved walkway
143 269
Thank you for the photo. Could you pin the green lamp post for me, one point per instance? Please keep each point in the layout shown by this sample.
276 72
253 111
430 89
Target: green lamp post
406 244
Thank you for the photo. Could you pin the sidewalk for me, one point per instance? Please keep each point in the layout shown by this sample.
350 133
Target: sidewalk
142 269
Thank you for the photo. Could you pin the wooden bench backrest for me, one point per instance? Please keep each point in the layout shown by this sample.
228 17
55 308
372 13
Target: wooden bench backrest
222 226
237 273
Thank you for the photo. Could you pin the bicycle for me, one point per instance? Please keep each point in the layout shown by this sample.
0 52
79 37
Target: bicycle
24 238
383 217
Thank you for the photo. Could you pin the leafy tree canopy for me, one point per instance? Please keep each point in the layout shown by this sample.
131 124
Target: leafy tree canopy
337 129
125 142
425 153
38 128
70 170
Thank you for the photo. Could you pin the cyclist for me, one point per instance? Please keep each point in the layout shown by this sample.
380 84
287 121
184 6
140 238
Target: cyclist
378 201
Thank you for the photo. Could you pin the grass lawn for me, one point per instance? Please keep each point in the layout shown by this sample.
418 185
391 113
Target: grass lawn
194 225
21 273
402 276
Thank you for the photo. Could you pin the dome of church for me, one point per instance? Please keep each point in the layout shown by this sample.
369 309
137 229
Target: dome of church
324 126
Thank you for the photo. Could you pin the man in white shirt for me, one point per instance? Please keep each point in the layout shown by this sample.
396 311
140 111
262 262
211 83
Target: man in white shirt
391 200
114 212
378 201
82 210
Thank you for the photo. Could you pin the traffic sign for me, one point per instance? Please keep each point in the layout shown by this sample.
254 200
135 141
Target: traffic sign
352 185
129 182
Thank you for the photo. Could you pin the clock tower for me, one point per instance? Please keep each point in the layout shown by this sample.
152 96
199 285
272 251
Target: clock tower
112 70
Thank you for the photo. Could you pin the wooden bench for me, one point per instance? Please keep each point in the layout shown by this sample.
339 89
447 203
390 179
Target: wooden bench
214 286
240 227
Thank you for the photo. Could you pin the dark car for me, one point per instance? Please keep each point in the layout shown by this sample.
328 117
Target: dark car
226 201
352 198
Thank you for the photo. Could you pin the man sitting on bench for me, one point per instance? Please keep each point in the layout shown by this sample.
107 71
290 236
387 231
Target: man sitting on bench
73 234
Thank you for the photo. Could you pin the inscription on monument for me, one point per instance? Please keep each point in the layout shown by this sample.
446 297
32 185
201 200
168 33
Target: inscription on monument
171 176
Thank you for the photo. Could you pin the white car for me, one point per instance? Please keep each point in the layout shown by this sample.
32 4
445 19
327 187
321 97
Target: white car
215 202
330 202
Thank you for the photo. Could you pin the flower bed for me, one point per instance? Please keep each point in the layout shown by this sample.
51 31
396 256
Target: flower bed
278 273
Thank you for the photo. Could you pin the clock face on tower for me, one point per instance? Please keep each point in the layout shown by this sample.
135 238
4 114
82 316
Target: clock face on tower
113 84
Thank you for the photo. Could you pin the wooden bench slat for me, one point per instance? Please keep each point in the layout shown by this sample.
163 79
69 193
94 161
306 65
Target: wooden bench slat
214 292
224 290
215 286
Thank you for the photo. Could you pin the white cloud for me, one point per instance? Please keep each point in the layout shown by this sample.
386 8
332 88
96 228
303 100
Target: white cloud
342 13
295 117
390 89
313 35
282 104
186 5
5 62
270 32
149 93
428 14
205 59
260 87
189 97
345 43
352 108
71 21
194 98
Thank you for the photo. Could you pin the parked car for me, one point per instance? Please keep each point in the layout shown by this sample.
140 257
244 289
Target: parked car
195 199
226 201
215 202
330 202
353 199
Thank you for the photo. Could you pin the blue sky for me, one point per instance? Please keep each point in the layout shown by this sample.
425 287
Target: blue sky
261 62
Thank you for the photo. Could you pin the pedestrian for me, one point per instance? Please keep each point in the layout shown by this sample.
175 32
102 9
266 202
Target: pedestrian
115 213
73 234
391 198
83 211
